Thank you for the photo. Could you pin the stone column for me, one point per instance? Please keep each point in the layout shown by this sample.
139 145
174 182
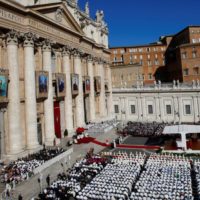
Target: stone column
110 97
195 108
102 92
92 93
144 109
138 110
198 104
175 109
68 90
30 92
180 109
48 103
157 108
141 108
79 111
14 115
162 108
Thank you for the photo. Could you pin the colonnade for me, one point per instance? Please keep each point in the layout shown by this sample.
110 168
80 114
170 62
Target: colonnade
30 99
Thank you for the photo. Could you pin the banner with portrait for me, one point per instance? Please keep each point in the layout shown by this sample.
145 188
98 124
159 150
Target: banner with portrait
86 84
75 83
42 84
60 84
3 85
97 84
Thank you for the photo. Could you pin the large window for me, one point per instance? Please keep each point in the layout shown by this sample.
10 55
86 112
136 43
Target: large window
148 62
132 109
150 109
150 77
116 108
186 72
194 54
168 109
196 70
156 62
187 109
184 55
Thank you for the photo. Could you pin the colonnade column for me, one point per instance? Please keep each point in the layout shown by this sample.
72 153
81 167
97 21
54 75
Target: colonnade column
180 108
91 97
110 97
157 108
14 116
30 92
48 103
195 108
79 111
68 90
102 92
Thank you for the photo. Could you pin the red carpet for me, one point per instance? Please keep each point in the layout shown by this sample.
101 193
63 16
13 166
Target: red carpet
137 146
101 143
86 140
126 146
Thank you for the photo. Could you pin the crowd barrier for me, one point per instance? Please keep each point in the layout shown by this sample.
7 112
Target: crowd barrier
52 161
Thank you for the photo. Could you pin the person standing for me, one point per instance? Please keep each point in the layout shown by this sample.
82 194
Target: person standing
48 180
20 197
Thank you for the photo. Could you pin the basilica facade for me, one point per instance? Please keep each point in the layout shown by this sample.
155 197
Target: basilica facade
54 72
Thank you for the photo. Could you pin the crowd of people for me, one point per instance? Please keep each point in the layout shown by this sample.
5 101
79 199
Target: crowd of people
123 176
197 174
144 129
115 180
96 128
23 168
165 177
70 183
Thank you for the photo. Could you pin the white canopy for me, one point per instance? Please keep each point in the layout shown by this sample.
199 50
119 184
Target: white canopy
183 130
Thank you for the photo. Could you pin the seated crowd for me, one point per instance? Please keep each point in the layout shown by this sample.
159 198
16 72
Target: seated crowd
143 129
197 173
23 168
122 176
115 180
164 177
95 128
70 184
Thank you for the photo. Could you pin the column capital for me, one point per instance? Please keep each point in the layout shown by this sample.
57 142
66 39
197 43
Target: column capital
29 39
12 37
46 45
97 60
90 58
77 53
100 61
66 50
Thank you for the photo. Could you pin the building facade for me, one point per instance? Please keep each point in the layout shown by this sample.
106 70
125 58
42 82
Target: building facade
146 60
172 103
183 55
173 57
54 72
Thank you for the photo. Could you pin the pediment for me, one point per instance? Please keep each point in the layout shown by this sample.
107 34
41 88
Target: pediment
60 15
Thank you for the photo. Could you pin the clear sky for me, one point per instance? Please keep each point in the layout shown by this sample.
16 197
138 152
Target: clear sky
133 22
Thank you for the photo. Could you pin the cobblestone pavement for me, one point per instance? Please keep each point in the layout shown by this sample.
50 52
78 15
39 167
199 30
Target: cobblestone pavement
31 187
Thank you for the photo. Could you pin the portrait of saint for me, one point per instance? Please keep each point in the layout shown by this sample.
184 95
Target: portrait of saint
75 82
3 86
43 83
61 84
87 84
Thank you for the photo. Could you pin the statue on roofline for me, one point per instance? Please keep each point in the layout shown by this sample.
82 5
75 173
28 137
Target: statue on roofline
99 16
87 9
